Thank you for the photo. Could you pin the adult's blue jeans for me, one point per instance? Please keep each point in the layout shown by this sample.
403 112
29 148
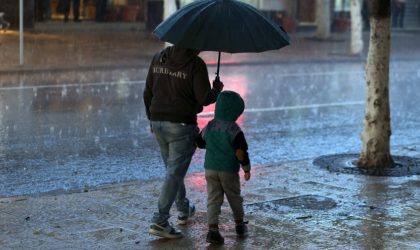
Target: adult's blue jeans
177 146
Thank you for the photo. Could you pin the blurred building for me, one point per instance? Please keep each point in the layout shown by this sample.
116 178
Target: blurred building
11 12
292 14
46 10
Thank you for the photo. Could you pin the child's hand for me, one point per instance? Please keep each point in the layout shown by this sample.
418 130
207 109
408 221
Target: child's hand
247 176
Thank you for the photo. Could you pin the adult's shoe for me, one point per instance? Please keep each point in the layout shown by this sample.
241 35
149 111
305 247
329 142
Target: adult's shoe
165 231
183 218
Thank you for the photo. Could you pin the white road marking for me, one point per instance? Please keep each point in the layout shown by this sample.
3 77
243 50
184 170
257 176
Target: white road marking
41 86
282 108
331 73
72 85
206 114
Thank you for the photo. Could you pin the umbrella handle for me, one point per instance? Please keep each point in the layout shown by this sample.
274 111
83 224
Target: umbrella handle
218 67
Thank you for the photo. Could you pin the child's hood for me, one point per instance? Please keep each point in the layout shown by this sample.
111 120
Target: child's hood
229 106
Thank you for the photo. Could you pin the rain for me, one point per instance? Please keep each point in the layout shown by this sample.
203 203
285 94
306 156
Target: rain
71 135
72 120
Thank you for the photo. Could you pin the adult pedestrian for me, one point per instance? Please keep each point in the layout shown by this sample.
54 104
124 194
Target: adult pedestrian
365 15
100 10
398 13
42 10
177 88
76 4
4 25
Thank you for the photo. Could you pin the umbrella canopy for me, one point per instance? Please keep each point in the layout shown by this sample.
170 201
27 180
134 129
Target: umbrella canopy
222 25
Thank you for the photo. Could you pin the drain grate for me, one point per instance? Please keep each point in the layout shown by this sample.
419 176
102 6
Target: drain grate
310 202
346 164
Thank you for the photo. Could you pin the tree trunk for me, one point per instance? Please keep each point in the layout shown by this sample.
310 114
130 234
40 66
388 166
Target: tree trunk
377 122
323 19
356 28
169 8
182 3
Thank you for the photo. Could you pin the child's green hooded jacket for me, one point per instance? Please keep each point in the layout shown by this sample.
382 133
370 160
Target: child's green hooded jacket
222 137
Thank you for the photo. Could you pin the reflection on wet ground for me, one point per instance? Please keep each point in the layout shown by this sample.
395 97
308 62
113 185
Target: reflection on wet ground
75 135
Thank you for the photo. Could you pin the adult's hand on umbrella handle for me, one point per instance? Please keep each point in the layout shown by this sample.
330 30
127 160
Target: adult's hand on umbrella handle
218 85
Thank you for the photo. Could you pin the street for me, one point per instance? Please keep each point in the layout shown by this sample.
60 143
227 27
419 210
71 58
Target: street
72 135
79 167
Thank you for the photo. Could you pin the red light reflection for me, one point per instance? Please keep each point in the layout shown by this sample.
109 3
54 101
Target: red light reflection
197 181
237 83
213 62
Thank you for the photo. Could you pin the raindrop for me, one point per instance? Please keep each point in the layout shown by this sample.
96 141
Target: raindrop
96 139
7 107
90 107
105 130
64 92
106 88
52 129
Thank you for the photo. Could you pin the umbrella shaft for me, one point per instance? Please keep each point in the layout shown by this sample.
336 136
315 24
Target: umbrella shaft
218 67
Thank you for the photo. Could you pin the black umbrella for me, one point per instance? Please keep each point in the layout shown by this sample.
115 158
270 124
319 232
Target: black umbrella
222 25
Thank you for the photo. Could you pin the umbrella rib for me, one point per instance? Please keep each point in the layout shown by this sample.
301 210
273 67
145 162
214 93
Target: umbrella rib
244 21
204 16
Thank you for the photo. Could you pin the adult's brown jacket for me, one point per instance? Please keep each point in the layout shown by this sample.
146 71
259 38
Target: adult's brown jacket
177 86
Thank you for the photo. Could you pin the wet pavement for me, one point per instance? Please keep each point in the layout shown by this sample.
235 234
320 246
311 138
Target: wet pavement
292 205
80 168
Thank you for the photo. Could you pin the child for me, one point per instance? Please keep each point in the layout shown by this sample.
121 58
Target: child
226 149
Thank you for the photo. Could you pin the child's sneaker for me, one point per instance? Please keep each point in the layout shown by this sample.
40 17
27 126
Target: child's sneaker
183 219
214 237
165 231
242 229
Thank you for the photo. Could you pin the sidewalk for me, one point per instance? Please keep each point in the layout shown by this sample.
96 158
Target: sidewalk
54 47
292 205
